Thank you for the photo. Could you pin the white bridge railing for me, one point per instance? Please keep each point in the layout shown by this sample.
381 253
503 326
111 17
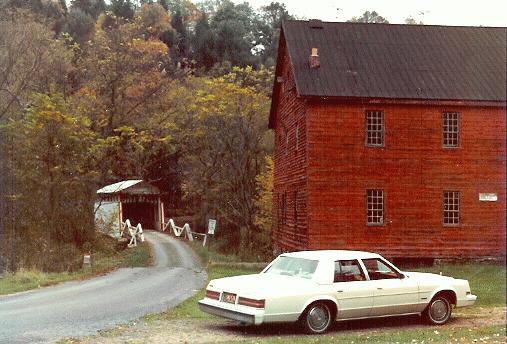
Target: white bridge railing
185 230
130 232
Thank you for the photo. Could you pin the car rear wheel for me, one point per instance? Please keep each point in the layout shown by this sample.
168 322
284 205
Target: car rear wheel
317 318
438 311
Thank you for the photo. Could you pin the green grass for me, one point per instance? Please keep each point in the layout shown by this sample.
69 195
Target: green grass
487 281
103 262
486 334
139 256
209 254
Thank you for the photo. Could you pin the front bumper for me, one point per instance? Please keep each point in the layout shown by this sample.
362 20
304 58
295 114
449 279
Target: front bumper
247 315
468 301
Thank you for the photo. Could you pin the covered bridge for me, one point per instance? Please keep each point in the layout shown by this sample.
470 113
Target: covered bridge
135 200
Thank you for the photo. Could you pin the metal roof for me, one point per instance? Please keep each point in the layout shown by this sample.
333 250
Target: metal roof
399 61
118 187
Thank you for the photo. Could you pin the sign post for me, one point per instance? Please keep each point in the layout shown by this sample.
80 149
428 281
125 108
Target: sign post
212 224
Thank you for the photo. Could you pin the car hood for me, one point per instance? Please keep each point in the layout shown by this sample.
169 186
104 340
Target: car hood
261 286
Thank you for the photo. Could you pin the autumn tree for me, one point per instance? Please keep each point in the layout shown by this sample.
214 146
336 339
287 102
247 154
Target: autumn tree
153 20
126 73
123 71
264 204
110 105
223 146
260 79
49 13
48 153
31 60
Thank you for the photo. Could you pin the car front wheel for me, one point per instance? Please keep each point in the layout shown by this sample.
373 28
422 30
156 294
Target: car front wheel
317 318
438 311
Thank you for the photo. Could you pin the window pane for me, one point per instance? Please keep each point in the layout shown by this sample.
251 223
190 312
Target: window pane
375 206
348 271
374 128
378 270
450 129
451 207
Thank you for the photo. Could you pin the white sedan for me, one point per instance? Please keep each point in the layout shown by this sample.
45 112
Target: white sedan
317 287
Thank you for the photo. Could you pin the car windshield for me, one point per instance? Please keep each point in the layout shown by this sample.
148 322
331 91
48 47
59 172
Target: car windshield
291 266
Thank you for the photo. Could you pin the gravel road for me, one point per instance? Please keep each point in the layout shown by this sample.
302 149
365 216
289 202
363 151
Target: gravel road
82 308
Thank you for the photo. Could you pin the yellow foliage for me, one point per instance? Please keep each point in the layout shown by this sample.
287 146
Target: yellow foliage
264 202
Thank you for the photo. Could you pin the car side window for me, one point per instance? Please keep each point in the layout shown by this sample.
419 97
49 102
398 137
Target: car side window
378 270
347 271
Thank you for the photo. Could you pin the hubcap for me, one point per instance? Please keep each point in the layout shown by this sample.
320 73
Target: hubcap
439 310
318 318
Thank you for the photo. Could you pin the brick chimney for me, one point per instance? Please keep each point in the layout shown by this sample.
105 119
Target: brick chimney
314 60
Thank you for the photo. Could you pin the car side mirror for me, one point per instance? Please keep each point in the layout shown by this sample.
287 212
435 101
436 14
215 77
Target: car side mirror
402 276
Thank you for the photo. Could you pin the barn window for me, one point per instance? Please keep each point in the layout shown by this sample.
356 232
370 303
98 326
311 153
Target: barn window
450 129
451 207
375 128
375 207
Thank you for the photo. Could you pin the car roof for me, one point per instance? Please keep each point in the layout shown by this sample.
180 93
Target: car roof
332 254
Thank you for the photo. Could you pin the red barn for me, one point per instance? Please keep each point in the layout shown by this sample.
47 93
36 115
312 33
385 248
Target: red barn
390 138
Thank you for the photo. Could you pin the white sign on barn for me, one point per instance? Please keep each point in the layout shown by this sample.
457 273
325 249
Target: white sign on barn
488 197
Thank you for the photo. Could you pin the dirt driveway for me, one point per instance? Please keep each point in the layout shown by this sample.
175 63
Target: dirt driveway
218 330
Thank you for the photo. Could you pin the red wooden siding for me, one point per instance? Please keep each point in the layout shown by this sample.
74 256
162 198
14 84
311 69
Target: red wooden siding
290 168
332 169
414 170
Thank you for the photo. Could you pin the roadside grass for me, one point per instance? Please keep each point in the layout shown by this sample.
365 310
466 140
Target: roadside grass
210 254
104 261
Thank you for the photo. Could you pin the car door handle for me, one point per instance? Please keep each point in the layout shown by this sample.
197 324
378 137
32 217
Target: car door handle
379 288
340 291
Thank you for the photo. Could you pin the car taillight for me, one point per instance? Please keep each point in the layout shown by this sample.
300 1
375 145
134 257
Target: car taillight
251 302
212 294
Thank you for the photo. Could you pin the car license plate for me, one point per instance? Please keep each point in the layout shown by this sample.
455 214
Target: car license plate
229 298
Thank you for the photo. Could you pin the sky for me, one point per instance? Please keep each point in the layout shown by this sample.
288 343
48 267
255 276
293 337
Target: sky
433 12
